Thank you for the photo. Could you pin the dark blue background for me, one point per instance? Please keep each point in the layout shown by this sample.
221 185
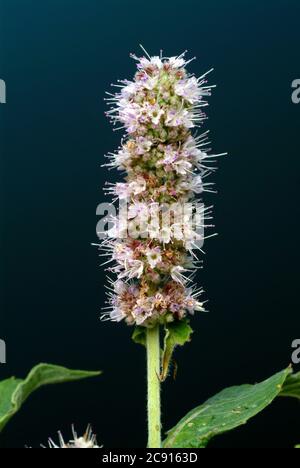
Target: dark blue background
57 58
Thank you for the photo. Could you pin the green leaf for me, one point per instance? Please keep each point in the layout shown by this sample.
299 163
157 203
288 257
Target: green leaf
177 334
14 392
227 410
139 335
291 387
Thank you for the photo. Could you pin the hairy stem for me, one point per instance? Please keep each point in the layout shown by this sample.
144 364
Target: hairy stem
153 371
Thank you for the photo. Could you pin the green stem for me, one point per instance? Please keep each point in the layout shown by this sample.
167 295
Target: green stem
153 367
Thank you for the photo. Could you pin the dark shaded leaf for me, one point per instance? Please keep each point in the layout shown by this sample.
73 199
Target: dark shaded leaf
14 392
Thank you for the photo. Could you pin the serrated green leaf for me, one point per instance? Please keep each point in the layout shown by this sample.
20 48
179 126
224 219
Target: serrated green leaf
227 410
291 387
14 392
176 334
140 336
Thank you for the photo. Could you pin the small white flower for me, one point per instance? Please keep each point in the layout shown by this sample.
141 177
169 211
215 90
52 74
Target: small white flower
154 113
170 157
195 153
178 276
120 287
88 441
130 90
138 228
193 305
143 310
177 118
154 61
138 186
141 318
144 63
189 89
137 209
183 167
119 229
133 269
154 257
191 238
151 83
122 158
190 146
197 185
130 114
165 235
157 62
194 184
176 62
116 315
153 230
123 191
143 145
199 307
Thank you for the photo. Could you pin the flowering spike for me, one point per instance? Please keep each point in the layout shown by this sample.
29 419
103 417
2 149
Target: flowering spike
166 165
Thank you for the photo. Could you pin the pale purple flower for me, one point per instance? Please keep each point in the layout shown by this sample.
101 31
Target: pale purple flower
177 118
196 185
123 191
130 90
122 158
171 155
183 167
189 89
132 269
130 114
143 145
177 62
120 287
177 274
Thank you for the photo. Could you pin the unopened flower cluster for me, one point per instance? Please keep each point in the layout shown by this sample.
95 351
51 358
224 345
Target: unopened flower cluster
87 441
164 164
